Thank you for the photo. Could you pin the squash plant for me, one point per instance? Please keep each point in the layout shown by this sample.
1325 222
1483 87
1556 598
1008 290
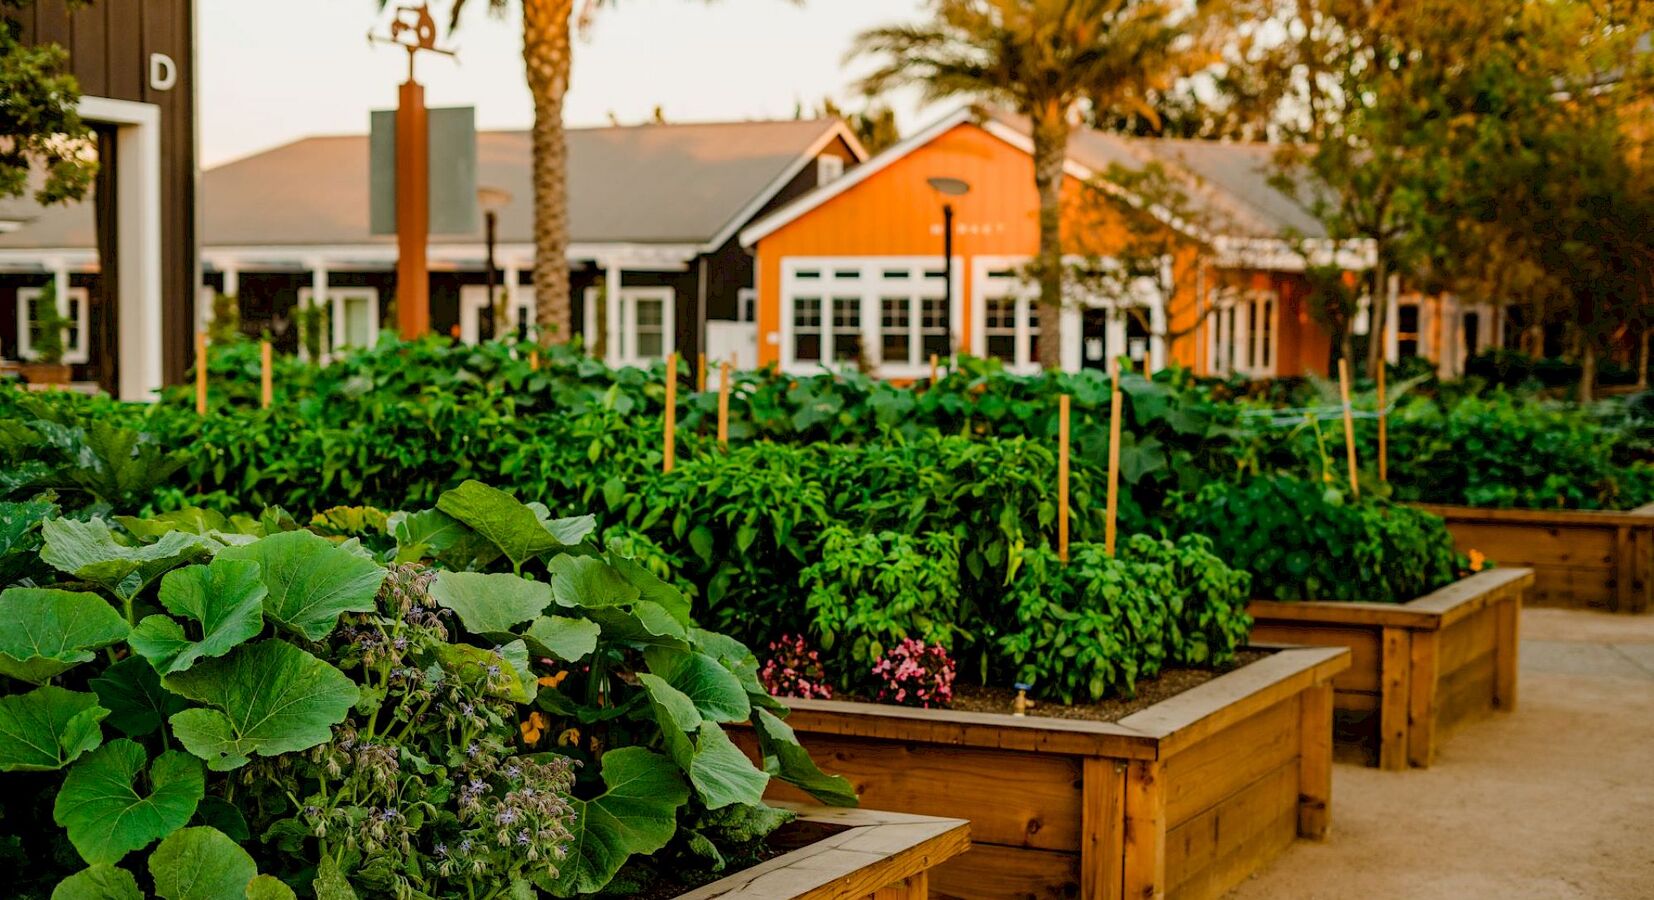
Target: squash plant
466 701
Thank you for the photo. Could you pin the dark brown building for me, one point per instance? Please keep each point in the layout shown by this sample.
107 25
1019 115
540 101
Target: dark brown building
125 261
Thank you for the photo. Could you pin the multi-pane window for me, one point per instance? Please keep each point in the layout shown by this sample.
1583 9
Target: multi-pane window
30 311
934 327
847 337
650 327
807 329
1243 334
896 329
1000 328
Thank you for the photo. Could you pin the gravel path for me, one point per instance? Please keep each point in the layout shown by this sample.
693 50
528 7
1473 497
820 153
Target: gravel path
1553 801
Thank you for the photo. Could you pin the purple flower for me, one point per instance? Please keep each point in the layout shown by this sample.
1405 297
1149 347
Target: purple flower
472 749
506 816
522 838
441 850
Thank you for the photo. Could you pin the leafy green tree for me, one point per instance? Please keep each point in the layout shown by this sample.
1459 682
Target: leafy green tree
40 128
1049 60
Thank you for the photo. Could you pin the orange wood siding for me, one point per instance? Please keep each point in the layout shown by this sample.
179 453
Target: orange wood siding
896 213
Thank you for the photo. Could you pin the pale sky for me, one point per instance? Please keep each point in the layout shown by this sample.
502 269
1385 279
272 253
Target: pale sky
270 73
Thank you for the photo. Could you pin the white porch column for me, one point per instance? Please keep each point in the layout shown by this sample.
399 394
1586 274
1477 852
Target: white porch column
60 284
510 317
1157 339
232 280
611 305
1072 350
318 296
1241 361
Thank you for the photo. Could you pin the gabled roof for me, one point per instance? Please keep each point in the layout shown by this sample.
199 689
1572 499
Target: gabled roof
647 184
1233 179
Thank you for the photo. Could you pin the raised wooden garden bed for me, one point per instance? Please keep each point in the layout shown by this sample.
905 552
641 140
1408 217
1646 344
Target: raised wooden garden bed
1420 669
1583 559
1185 798
847 854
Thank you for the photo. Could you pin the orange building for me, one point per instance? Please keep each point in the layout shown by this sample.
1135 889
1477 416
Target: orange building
853 271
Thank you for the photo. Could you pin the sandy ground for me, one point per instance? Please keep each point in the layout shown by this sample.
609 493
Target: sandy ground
1553 801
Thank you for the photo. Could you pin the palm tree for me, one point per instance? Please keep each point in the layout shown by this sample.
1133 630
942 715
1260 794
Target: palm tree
1047 59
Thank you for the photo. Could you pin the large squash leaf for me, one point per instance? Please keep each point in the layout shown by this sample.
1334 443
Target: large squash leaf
787 760
201 863
224 598
499 517
715 690
587 582
89 551
310 581
433 534
47 728
637 814
269 698
569 640
132 693
99 883
721 773
490 604
44 633
105 814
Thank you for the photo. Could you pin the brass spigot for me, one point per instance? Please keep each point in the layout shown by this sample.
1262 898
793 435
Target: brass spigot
1021 705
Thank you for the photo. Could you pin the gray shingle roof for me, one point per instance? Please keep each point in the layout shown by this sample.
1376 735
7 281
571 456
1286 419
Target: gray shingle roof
648 184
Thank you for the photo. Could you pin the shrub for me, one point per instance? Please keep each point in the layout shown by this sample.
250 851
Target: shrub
1305 541
869 592
914 673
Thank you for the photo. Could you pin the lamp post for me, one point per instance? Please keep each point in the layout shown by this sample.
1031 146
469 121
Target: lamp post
492 200
948 187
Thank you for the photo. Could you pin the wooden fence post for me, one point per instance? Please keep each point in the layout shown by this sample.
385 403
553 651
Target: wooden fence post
723 405
1113 511
265 394
200 373
671 448
1349 425
1062 477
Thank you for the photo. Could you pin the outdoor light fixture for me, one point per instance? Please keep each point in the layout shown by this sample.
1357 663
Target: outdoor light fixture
948 187
492 200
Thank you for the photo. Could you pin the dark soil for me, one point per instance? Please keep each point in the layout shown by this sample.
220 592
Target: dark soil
1171 682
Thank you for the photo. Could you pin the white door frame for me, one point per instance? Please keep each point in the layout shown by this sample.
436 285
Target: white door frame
138 234
1072 351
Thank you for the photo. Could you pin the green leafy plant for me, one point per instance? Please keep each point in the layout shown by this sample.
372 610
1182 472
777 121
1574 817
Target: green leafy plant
868 593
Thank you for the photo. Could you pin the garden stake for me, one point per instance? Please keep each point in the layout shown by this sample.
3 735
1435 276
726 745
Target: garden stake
1383 430
671 411
1113 460
264 392
723 405
933 370
1062 478
1349 424
200 373
534 360
700 374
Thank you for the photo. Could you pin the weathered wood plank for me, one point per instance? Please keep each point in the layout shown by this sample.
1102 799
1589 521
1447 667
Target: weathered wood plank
1362 641
1218 848
1465 640
1421 709
1396 670
1145 832
1507 649
1012 798
1315 761
1188 717
1204 774
1464 695
1468 596
1641 517
990 872
914 888
1035 734
1338 612
1102 843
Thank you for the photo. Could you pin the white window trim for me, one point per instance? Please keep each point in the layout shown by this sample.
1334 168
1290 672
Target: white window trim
868 289
1233 347
829 168
1072 351
623 346
79 302
746 300
473 299
336 297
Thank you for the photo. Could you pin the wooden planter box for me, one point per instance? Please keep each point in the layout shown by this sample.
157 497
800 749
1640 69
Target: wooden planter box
1185 798
847 854
1420 669
1580 558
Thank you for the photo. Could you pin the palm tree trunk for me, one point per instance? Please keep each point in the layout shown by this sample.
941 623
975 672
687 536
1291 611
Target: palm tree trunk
546 56
1050 153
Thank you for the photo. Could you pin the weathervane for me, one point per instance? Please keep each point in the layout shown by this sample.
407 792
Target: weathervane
414 29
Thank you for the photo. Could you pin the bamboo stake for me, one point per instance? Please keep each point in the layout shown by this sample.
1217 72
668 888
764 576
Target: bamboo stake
1113 460
933 368
200 373
1349 424
723 405
700 374
1062 477
1383 430
671 411
265 394
534 360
